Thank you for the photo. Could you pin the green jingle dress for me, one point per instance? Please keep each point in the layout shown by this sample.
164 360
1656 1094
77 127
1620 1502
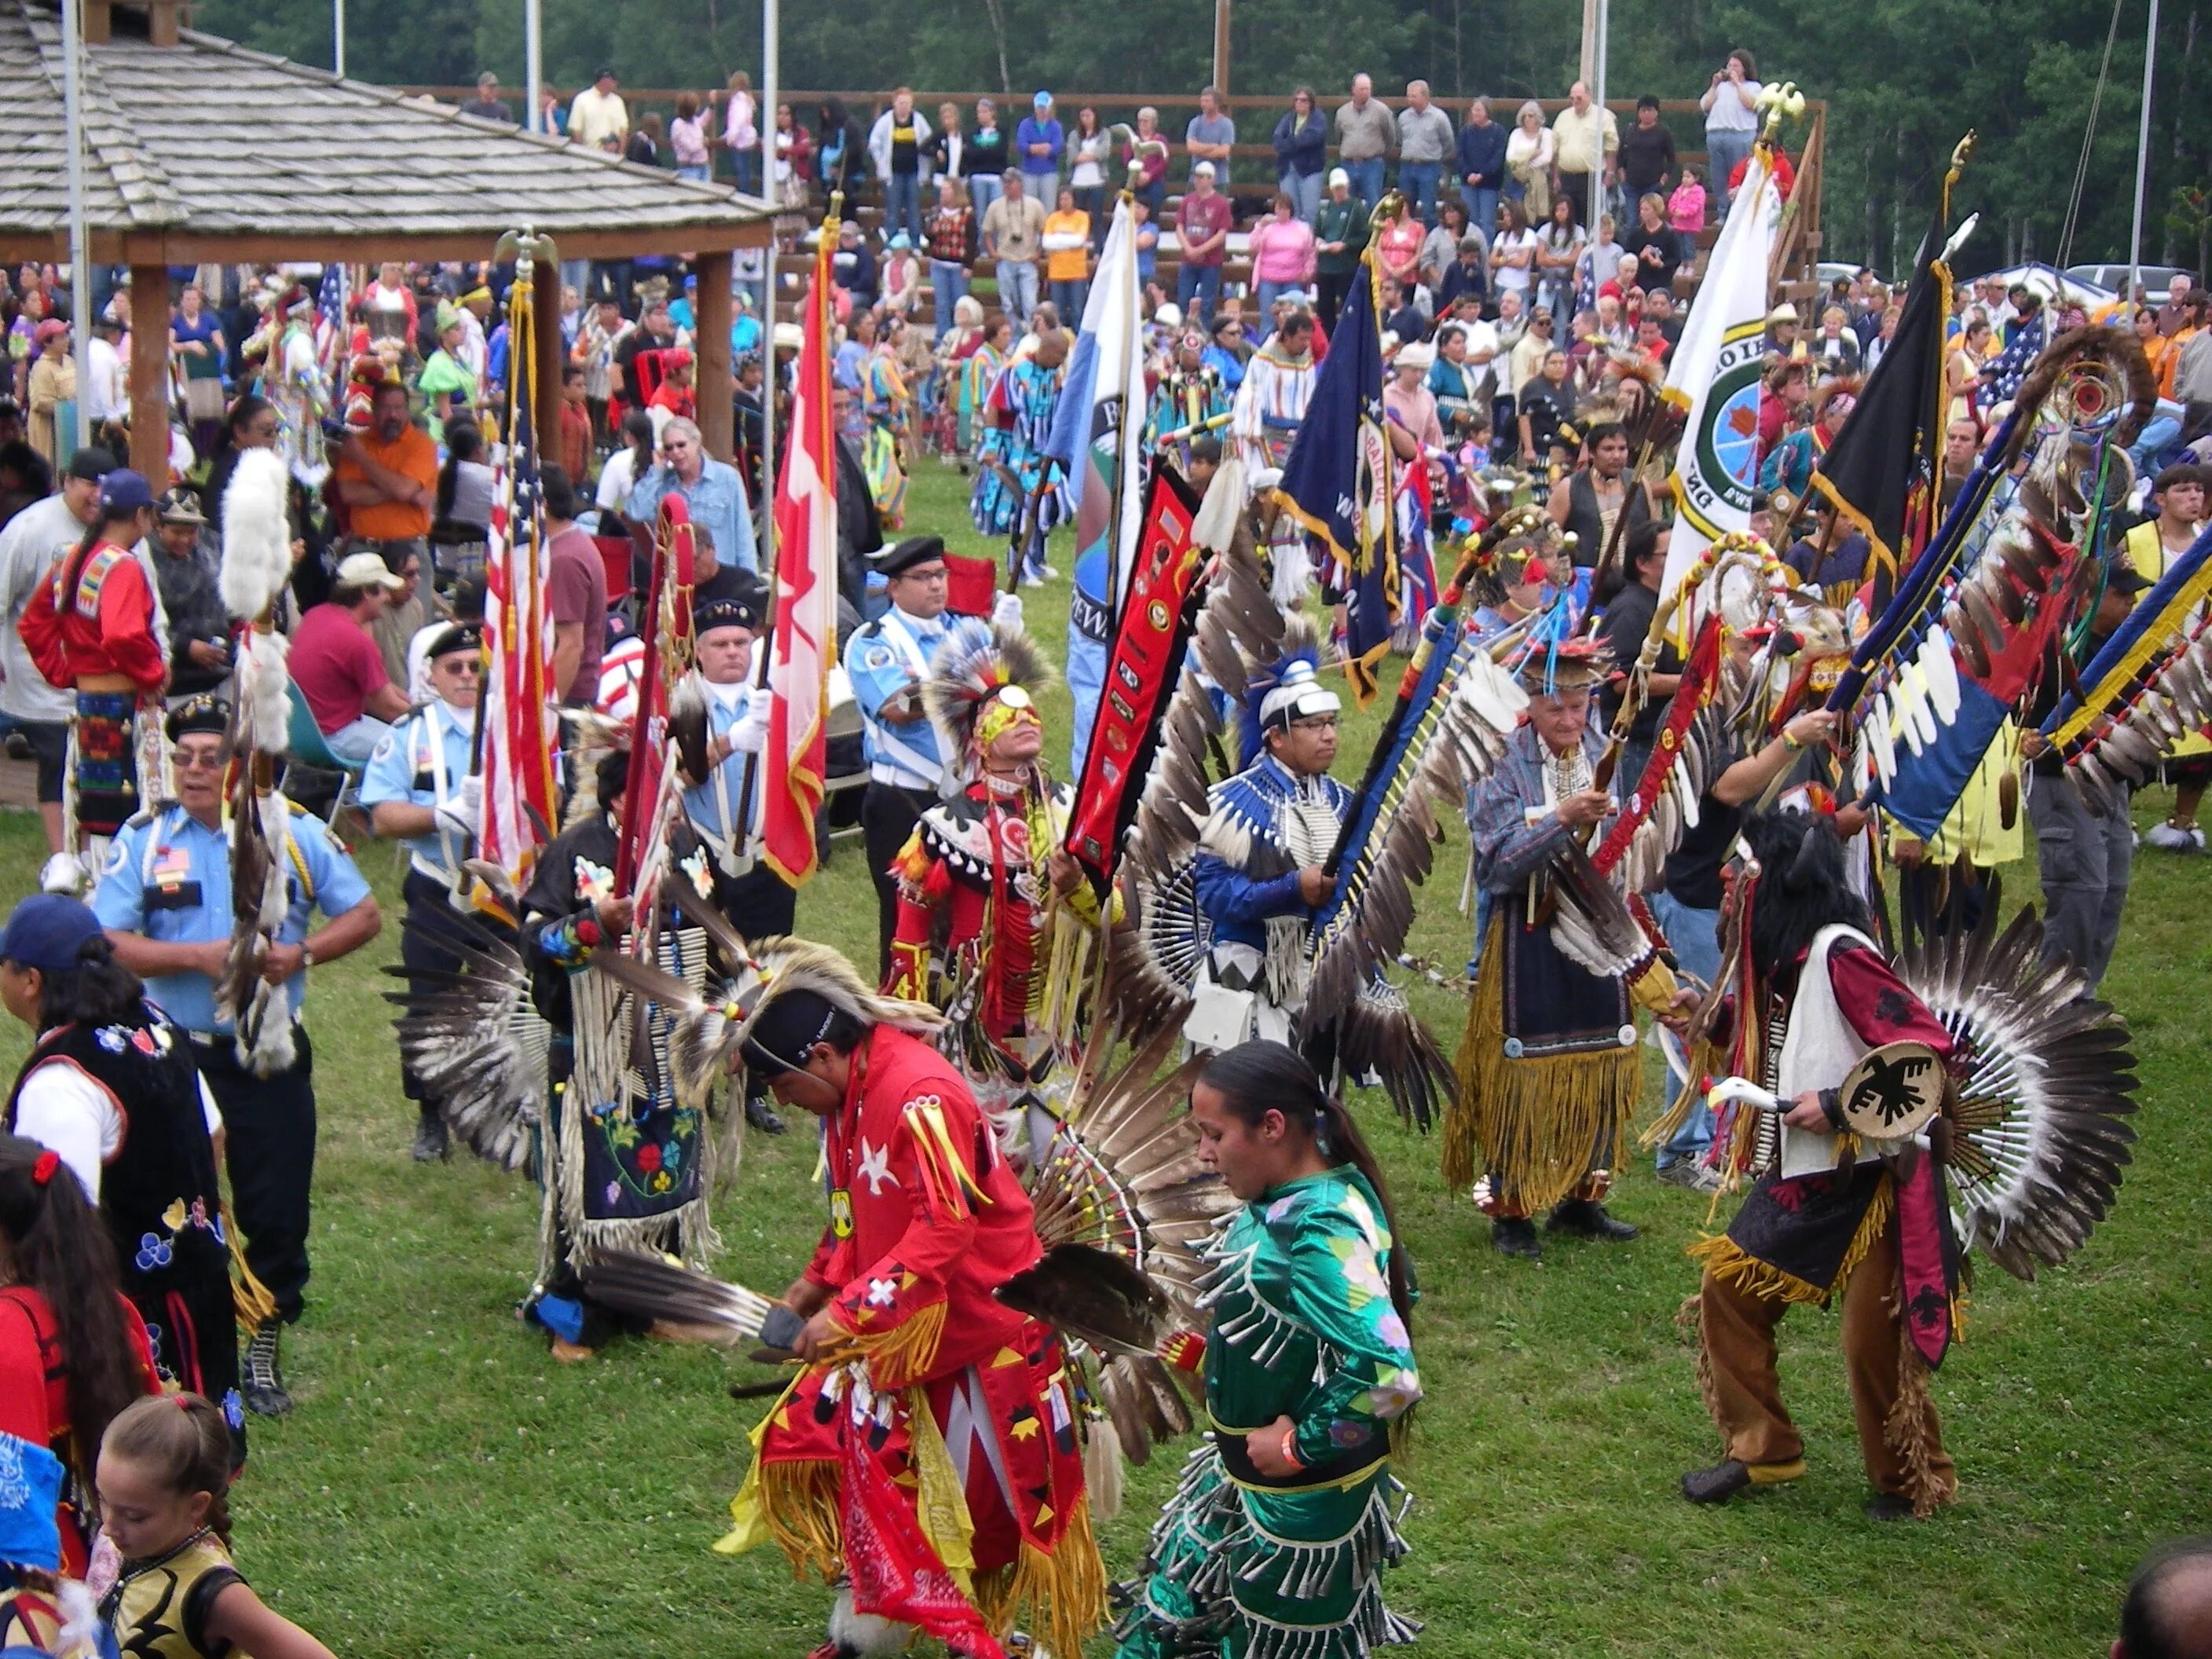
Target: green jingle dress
1245 1566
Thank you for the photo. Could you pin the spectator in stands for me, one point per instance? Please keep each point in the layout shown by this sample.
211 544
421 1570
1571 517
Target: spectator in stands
1203 219
1014 241
1530 152
1653 245
1147 158
1211 136
1558 248
1302 154
687 139
643 149
1427 142
951 243
711 488
1686 215
1282 259
1835 348
1040 142
488 104
984 158
1647 152
1339 237
1090 153
1067 256
839 146
1589 145
575 422
336 665
1479 157
1731 106
1366 138
896 145
598 116
740 136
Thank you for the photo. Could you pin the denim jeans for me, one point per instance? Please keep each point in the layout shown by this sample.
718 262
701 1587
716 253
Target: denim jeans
1695 936
1067 299
902 206
984 188
1366 179
1201 283
1264 324
1418 179
1481 208
1154 196
697 175
1017 290
948 285
745 166
1091 199
1305 192
1722 151
1043 187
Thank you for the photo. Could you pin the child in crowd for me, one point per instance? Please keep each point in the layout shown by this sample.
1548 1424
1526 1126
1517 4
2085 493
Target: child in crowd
1685 212
164 1476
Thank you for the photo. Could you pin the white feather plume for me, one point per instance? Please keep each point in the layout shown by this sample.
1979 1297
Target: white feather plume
257 534
264 690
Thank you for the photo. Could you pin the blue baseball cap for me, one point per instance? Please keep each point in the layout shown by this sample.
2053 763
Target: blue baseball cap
1041 98
125 491
46 931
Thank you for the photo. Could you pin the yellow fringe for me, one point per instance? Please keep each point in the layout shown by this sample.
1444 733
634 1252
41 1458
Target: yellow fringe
796 1504
1702 1060
1691 1318
905 1353
1908 1431
940 1504
1538 1123
250 1299
1058 1596
1720 1257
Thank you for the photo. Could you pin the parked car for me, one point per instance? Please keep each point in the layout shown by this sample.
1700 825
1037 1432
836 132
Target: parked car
2158 279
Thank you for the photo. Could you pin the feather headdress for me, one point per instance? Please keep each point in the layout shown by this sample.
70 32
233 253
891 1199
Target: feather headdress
711 1028
972 683
1295 668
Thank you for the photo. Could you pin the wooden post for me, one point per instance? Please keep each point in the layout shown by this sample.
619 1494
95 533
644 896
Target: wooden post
1221 46
717 387
545 408
150 374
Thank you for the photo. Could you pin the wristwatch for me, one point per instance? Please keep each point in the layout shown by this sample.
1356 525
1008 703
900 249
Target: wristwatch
306 953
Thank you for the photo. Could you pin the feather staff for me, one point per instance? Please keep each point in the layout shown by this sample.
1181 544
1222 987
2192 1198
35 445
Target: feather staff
257 564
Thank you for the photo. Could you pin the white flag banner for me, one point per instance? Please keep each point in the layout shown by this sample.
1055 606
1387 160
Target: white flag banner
1714 378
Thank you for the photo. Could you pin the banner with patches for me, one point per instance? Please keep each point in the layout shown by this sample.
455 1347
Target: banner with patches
1338 480
1713 377
2117 673
1097 439
1700 680
1140 678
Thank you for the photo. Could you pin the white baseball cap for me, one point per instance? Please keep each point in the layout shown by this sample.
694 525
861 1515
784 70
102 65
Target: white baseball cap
368 570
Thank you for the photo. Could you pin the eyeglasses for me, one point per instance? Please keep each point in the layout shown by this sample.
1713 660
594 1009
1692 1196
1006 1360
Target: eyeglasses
1315 723
197 760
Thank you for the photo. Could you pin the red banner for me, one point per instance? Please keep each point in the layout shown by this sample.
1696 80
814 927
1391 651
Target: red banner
1700 678
1142 668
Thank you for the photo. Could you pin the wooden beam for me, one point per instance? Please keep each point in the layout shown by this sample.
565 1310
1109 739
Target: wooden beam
1221 46
161 22
150 374
717 387
198 247
546 407
98 23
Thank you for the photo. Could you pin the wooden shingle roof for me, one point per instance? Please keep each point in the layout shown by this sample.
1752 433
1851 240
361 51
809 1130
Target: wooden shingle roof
207 150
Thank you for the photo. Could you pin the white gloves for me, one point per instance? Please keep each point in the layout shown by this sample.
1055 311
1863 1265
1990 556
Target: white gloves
750 735
1006 613
460 813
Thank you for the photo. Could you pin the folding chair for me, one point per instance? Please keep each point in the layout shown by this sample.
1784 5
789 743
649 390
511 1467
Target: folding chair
306 748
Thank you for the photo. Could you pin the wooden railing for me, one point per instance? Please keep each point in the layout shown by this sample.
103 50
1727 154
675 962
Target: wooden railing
1796 253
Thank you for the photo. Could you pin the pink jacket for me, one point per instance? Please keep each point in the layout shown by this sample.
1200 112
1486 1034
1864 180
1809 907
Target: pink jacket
1282 251
1685 207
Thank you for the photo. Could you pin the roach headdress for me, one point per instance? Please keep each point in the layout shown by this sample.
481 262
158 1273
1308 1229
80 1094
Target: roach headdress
976 688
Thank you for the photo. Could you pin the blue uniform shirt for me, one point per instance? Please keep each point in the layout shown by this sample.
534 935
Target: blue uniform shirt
168 878
713 807
401 770
880 659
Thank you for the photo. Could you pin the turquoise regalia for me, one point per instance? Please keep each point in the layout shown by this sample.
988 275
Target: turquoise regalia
1251 1567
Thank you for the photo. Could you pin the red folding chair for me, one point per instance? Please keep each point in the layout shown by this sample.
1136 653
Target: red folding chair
615 554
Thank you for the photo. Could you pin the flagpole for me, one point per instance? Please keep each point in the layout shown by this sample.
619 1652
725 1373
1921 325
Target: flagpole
771 379
79 235
533 66
2143 161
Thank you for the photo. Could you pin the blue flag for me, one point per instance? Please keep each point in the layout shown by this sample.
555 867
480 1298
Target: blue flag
1338 480
1097 437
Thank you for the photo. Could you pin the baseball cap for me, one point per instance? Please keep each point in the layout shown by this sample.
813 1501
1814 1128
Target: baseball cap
46 931
91 464
368 570
1339 176
2126 578
1041 98
125 491
1203 170
676 358
48 329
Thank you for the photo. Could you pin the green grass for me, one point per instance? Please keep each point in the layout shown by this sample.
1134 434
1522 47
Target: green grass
445 1489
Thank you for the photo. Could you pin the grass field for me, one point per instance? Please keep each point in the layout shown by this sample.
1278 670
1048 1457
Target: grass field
444 1489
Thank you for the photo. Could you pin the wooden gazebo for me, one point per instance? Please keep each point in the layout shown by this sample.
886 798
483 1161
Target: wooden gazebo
198 150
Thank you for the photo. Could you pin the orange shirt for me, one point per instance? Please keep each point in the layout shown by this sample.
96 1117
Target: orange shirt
412 455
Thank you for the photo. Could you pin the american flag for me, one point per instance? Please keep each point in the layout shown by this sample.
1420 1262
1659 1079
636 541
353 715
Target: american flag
521 729
2001 380
332 301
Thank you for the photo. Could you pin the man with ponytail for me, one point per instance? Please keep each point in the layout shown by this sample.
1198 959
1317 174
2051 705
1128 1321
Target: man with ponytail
72 1356
1276 1540
110 1087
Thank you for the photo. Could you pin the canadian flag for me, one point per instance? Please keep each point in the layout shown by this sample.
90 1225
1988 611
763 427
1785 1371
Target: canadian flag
801 650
